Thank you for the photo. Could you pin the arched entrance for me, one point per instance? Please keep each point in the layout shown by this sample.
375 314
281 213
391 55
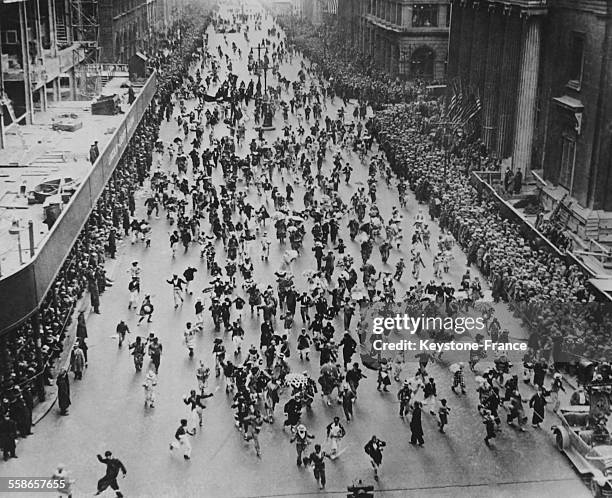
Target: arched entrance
422 63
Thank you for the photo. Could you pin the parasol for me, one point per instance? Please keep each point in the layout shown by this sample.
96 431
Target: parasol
358 294
454 368
484 367
362 237
290 255
296 380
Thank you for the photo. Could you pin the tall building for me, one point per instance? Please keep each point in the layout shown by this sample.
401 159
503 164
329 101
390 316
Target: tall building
126 27
42 43
543 69
408 39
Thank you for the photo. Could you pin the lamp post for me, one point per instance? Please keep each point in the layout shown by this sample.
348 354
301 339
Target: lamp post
259 48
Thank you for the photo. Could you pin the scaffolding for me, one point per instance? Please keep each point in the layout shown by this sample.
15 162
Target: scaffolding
86 30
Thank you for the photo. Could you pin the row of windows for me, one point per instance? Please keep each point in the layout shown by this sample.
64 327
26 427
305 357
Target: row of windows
423 15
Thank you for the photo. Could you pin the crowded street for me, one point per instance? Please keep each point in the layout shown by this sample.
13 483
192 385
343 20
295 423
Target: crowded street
224 238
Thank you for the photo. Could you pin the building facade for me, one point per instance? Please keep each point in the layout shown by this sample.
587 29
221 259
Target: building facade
408 39
40 53
126 27
544 71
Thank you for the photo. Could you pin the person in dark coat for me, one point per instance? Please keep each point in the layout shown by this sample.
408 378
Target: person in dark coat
415 425
21 414
112 243
81 331
63 391
538 403
8 434
374 449
489 422
517 182
113 466
539 372
94 295
348 348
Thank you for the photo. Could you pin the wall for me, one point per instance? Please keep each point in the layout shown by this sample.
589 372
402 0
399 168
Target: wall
23 291
555 120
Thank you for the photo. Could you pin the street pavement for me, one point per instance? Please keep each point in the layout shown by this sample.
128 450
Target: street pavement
107 411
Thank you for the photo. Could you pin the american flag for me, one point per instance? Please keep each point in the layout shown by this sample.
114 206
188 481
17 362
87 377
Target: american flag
330 6
464 104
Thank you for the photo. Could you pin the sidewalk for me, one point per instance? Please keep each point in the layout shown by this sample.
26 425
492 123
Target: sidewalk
41 409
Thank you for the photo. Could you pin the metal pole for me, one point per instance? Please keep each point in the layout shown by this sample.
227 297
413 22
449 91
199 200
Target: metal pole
25 54
31 234
19 247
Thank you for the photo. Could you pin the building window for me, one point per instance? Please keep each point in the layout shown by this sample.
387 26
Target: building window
568 161
422 63
576 60
424 16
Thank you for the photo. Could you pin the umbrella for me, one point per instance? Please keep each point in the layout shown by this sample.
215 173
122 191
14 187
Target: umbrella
328 369
484 366
454 368
362 237
292 229
290 255
296 380
279 215
296 218
358 294
177 140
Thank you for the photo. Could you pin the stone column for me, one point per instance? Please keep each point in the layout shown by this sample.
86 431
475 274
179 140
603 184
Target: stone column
479 48
465 49
528 87
492 77
508 86
454 40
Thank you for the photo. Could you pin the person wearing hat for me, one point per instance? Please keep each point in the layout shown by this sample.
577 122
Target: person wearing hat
77 361
373 449
177 284
63 476
459 379
317 460
416 426
149 388
301 439
489 422
146 310
8 436
556 386
63 391
335 432
113 467
403 396
181 437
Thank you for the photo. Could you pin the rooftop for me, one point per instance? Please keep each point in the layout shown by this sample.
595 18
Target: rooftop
36 153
